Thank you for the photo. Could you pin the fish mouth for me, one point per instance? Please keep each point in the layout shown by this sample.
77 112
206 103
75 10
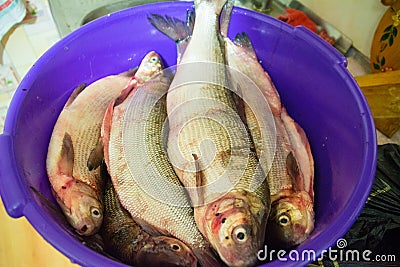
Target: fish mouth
86 228
238 238
291 221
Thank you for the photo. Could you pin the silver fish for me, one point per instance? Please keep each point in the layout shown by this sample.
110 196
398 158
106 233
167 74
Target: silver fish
127 241
210 147
291 174
75 152
143 178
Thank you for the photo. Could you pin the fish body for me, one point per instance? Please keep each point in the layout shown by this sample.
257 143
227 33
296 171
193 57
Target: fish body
291 173
127 241
144 180
75 152
209 146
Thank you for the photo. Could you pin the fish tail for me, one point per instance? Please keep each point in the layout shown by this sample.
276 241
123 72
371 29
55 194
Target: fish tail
243 40
226 17
172 27
207 258
190 18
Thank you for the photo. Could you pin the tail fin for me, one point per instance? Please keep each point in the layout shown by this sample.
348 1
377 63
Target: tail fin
243 40
175 29
207 258
190 18
172 27
226 17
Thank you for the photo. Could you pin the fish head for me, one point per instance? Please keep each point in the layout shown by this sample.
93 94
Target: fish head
151 65
235 231
291 220
82 208
166 251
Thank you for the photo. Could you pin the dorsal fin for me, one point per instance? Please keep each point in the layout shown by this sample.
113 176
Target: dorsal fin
75 94
66 164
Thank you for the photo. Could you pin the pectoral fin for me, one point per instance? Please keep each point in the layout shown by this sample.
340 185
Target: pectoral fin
240 104
66 163
199 182
96 156
132 85
293 170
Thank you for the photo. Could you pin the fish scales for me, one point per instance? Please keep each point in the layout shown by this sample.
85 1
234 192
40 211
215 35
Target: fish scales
119 229
85 122
143 178
278 180
210 147
168 216
290 175
76 134
214 105
278 144
127 241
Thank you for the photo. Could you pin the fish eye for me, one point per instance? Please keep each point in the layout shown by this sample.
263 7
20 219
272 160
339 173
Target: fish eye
153 59
241 233
95 212
283 220
175 247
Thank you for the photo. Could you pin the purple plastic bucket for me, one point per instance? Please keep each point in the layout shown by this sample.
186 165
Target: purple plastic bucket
310 75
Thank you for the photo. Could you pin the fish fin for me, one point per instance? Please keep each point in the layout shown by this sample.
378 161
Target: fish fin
45 200
96 156
308 179
66 163
190 19
225 17
243 40
132 84
106 131
240 104
207 257
105 176
172 27
75 94
129 73
199 182
293 170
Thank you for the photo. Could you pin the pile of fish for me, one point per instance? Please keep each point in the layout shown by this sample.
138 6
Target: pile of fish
185 166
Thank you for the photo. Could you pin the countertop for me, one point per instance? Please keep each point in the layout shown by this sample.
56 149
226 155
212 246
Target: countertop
20 244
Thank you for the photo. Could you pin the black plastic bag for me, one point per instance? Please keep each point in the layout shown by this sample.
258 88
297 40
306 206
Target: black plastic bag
377 229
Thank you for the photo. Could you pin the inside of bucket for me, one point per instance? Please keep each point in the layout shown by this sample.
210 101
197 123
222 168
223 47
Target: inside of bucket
314 89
